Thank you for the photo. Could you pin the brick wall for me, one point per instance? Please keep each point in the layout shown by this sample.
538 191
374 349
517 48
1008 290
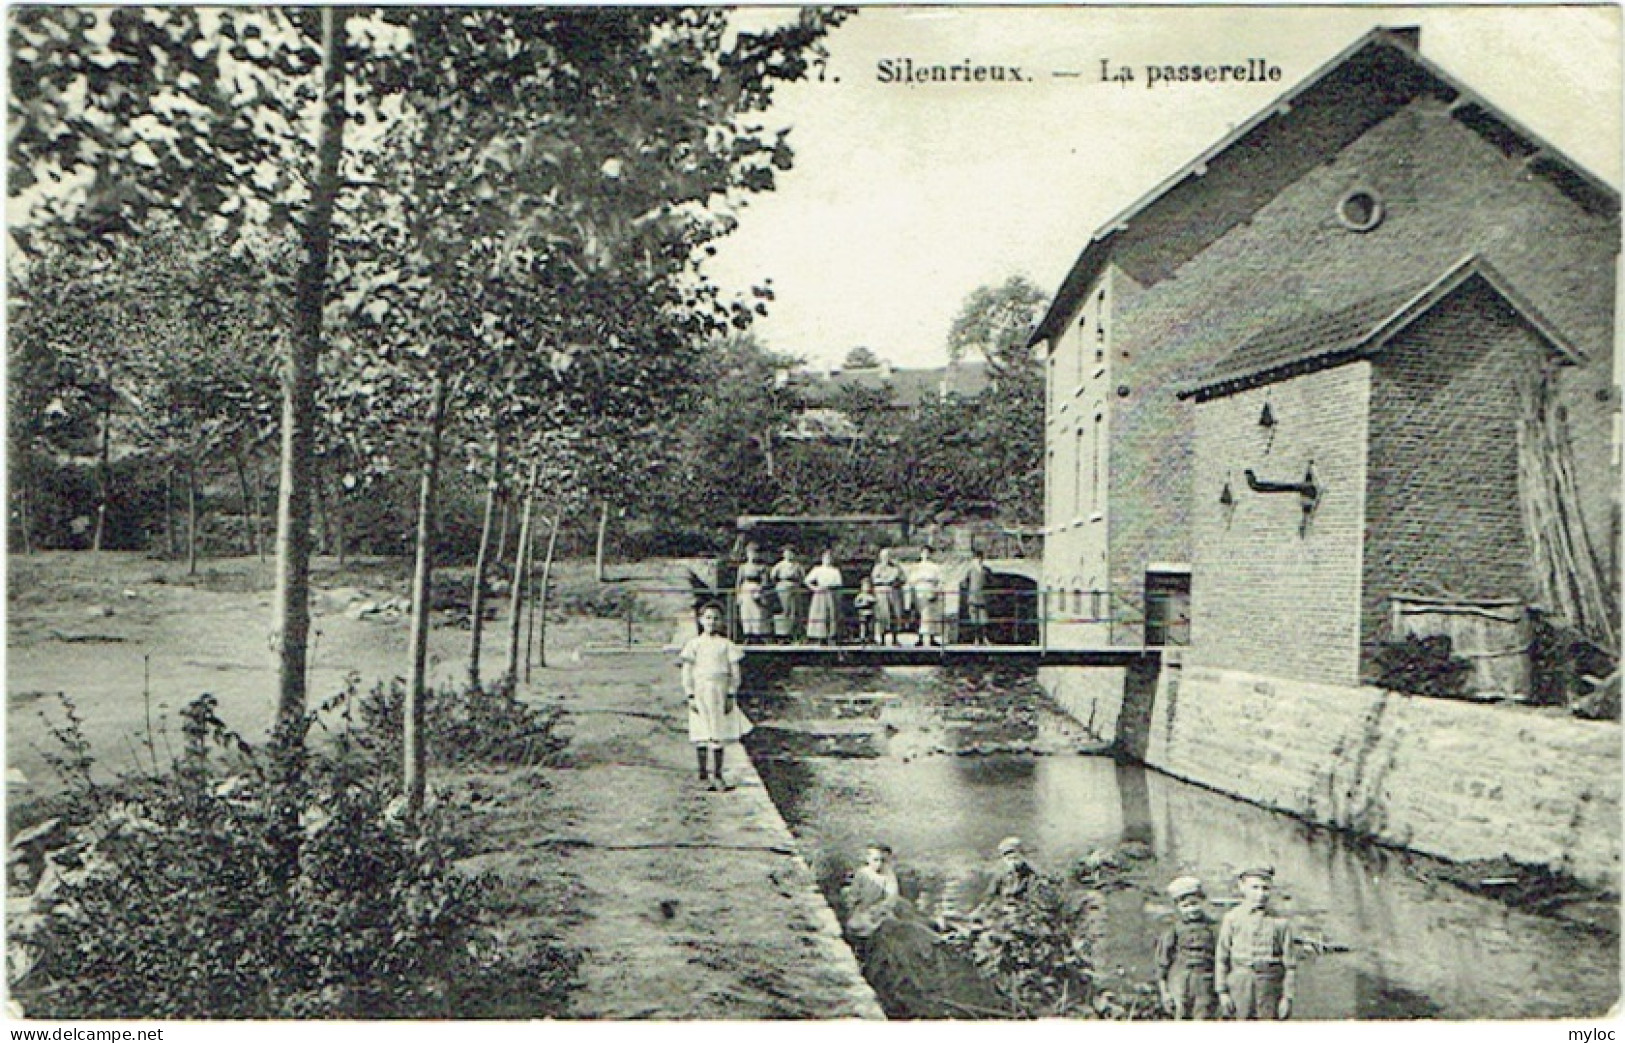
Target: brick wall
1444 517
1446 192
1267 592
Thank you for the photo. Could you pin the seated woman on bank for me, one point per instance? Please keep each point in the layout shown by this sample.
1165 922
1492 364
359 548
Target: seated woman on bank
871 897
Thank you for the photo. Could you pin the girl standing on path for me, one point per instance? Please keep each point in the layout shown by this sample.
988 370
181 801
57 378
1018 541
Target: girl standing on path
711 683
823 620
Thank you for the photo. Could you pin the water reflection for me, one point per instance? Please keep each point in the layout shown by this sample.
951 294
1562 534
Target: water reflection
1417 947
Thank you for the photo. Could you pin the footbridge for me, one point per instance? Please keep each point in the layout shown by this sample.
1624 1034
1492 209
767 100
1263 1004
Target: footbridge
862 656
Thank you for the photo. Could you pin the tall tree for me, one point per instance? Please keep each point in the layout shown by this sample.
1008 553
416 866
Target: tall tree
576 158
203 113
995 322
861 357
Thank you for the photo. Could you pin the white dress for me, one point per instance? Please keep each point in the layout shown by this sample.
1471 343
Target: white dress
822 621
710 672
926 581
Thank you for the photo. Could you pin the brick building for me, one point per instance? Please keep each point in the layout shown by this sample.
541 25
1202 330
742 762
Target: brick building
1347 460
1349 203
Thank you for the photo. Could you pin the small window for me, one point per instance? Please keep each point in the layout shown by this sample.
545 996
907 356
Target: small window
1360 210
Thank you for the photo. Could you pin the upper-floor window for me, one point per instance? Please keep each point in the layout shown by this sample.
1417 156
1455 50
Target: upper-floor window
1083 324
1094 456
1077 472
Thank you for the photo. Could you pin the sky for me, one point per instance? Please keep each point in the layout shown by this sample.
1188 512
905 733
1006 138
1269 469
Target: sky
905 198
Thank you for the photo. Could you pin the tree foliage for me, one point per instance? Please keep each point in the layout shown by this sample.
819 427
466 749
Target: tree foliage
995 322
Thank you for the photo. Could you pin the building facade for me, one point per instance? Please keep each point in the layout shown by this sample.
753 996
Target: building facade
1360 188
1363 459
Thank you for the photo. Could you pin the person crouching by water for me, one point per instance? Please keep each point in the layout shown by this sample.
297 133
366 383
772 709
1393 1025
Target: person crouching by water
748 587
711 684
871 896
1255 962
1013 879
823 613
786 577
1185 955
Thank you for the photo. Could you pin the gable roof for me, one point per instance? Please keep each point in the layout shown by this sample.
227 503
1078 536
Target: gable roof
1372 78
1361 330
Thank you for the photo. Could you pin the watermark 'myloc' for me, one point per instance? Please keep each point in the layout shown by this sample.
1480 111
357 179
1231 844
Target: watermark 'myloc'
1593 1036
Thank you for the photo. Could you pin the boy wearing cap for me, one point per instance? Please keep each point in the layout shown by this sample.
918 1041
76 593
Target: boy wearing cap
1012 878
1255 963
1185 955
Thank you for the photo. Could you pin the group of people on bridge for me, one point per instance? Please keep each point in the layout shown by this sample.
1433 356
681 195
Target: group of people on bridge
786 603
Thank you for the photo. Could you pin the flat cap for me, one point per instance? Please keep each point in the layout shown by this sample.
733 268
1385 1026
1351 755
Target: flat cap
1009 844
1184 886
1263 872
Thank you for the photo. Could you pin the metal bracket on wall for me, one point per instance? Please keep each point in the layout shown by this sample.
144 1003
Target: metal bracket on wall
1308 492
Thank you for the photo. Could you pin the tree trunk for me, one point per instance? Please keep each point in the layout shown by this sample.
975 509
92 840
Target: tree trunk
538 601
25 514
521 555
250 515
603 529
170 533
414 752
259 510
506 501
318 497
476 601
104 474
191 517
340 509
292 620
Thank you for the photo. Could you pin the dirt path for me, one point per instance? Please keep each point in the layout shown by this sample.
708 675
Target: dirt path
685 904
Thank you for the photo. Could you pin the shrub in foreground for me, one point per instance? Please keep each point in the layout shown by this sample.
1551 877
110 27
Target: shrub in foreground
162 897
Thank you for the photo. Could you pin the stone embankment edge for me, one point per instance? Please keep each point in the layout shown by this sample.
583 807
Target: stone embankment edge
1457 780
831 942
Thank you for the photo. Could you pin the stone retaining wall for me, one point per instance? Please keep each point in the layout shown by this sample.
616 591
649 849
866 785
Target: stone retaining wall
1454 779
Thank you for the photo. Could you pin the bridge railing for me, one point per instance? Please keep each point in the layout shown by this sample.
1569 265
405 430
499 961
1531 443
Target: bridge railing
1035 616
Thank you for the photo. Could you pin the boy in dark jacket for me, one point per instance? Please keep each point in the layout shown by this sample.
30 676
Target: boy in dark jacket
1185 955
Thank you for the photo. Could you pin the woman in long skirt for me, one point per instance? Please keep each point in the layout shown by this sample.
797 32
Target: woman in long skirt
752 575
927 584
823 622
711 685
787 576
888 579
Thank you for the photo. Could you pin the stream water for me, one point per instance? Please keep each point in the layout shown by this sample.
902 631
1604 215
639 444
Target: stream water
943 764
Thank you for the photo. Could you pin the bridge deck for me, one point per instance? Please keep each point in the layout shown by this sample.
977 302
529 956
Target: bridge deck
950 655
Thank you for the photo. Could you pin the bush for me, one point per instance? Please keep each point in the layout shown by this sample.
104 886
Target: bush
598 601
1422 666
463 726
1036 946
1561 659
165 896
